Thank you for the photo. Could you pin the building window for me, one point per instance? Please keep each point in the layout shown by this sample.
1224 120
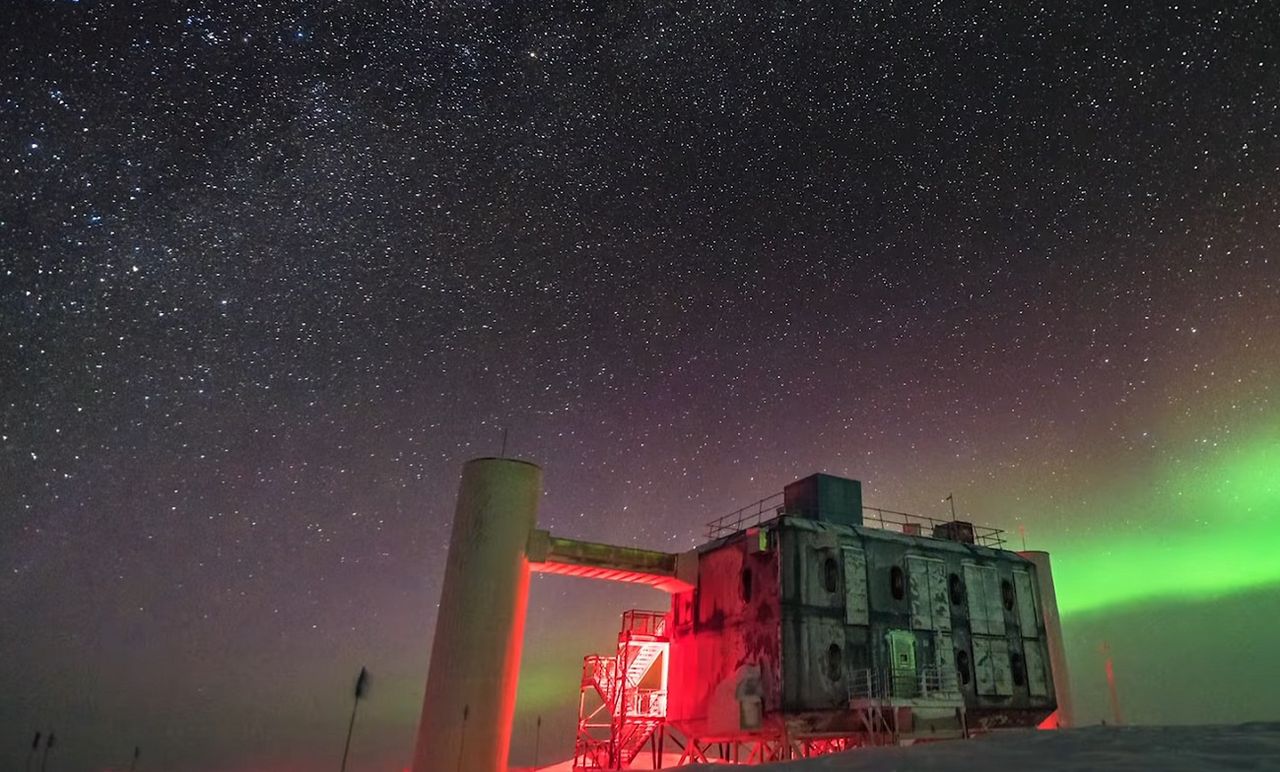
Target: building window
746 584
955 588
1018 668
962 666
897 583
835 662
1006 594
831 575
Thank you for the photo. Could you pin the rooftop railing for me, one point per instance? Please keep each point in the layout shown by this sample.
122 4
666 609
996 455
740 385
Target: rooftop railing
923 525
749 516
771 507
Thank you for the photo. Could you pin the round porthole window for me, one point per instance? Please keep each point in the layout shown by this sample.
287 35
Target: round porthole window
1018 669
897 583
962 666
831 575
834 662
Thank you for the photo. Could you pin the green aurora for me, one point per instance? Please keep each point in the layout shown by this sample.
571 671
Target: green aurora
1197 533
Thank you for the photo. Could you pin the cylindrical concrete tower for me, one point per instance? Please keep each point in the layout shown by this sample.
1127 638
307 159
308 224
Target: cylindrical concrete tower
475 660
1053 630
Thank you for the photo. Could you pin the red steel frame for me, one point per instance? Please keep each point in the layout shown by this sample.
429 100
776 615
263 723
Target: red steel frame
622 710
623 702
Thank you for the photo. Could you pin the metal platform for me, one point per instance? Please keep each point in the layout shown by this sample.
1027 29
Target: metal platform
899 706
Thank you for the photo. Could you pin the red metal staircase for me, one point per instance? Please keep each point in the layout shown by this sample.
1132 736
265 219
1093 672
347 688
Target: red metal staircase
623 701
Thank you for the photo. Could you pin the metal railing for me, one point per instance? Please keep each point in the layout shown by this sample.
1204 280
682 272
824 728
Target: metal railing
923 525
929 683
770 507
640 622
646 703
741 519
599 670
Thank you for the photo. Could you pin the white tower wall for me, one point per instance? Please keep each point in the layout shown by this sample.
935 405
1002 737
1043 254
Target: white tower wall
470 697
1053 630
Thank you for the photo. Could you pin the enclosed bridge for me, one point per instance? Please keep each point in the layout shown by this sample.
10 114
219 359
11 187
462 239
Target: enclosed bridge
807 623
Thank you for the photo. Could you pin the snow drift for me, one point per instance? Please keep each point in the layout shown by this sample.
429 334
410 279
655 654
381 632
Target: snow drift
1253 746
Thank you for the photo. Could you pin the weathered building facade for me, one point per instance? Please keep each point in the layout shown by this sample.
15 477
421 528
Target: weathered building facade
814 624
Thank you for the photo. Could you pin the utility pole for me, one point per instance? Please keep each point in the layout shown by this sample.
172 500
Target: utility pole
952 500
1116 715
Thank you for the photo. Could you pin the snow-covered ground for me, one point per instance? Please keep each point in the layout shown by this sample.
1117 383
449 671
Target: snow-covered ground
1151 749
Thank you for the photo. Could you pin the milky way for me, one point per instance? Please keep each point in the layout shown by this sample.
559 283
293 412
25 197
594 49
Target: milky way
270 272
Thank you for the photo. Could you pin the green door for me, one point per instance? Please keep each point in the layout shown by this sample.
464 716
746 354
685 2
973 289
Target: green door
902 663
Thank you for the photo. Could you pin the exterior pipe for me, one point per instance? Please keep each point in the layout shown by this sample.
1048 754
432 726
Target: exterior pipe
470 696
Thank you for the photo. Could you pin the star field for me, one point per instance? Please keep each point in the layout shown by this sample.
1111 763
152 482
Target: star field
270 272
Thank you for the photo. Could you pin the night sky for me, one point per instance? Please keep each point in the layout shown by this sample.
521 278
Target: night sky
271 272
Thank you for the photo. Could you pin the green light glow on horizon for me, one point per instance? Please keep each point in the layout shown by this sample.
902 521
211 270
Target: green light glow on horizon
1207 532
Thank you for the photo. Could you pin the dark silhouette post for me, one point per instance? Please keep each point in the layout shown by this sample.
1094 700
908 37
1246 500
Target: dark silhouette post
48 746
137 751
537 741
31 754
362 686
462 745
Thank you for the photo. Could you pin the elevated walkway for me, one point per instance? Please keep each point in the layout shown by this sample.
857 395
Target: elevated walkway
666 571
